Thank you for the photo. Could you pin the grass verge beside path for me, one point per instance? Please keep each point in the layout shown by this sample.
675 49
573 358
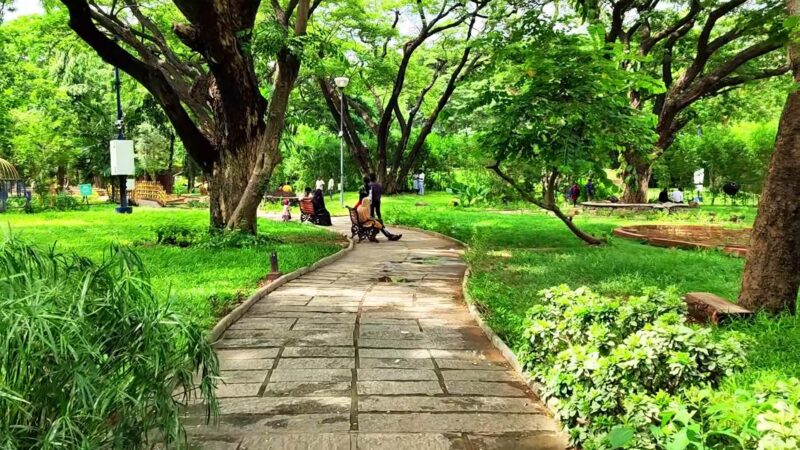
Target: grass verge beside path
204 281
515 256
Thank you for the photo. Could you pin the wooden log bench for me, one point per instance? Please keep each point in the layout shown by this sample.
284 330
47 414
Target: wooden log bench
669 207
704 307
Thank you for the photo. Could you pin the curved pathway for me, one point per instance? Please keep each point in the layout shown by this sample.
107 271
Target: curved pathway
375 351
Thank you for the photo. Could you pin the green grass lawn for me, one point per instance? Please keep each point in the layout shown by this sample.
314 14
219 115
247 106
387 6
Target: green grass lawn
204 281
514 256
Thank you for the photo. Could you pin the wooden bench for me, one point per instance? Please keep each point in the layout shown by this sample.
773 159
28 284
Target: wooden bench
357 228
307 211
704 307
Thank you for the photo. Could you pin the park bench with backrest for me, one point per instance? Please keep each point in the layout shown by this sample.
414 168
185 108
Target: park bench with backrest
307 210
358 228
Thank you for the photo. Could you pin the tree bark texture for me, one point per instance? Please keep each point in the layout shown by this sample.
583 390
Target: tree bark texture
772 270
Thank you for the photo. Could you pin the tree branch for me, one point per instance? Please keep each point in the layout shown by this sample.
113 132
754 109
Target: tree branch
196 143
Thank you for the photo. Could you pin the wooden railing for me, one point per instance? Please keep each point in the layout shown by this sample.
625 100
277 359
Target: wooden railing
150 190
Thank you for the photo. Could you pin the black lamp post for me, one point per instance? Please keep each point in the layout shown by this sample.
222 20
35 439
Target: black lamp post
123 182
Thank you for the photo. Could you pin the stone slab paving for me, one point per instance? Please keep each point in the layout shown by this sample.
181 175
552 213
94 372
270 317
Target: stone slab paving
376 351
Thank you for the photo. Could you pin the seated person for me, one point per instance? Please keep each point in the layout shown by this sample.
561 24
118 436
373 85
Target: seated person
306 194
367 221
321 215
663 196
677 196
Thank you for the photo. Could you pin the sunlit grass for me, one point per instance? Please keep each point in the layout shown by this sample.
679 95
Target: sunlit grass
204 281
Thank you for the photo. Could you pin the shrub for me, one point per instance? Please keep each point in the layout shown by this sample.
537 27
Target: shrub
611 366
185 236
177 234
91 354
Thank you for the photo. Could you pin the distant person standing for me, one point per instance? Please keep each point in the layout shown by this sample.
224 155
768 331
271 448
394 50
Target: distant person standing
330 187
376 191
589 190
287 211
677 196
415 182
421 183
319 185
574 193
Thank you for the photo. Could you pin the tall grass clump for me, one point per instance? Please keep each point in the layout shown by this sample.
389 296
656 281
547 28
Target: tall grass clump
91 355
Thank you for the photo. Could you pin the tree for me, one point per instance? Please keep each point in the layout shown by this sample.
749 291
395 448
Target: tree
772 272
395 73
550 108
203 74
704 50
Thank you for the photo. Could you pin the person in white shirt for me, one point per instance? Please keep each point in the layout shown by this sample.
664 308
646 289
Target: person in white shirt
330 187
421 182
320 185
677 196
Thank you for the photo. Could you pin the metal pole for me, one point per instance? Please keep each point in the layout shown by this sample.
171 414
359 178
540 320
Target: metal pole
123 182
341 147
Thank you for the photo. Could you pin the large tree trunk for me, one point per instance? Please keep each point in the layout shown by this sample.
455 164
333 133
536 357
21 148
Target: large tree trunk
636 178
772 271
228 182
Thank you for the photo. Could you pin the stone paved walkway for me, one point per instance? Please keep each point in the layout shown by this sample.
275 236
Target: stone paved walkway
376 351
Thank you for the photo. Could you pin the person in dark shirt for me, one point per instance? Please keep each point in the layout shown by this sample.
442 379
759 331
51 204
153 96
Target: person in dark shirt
663 196
377 191
363 192
321 214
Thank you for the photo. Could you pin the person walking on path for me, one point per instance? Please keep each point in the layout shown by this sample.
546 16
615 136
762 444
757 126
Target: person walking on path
364 192
319 185
574 193
369 220
330 187
376 191
589 190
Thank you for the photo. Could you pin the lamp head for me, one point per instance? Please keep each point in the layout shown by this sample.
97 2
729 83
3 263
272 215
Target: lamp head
341 82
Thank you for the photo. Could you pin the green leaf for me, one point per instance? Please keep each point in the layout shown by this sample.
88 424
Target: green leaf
620 436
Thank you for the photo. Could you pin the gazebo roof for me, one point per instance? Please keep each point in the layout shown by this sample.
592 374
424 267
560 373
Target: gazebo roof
7 171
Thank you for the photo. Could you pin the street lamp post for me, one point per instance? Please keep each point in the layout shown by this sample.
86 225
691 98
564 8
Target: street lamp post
341 83
123 182
121 152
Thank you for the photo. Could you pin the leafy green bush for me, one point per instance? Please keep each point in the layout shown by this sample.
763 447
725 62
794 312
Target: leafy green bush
470 194
608 362
177 234
91 354
181 235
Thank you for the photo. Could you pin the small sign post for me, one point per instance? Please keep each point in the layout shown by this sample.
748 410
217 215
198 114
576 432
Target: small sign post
86 191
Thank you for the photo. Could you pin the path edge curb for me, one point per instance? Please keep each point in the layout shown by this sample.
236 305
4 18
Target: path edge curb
225 322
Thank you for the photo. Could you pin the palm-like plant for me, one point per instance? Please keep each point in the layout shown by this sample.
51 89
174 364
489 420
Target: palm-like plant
91 355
